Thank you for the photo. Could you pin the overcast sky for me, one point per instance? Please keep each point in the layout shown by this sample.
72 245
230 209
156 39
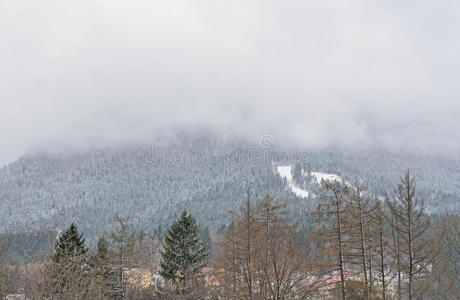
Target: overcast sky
312 73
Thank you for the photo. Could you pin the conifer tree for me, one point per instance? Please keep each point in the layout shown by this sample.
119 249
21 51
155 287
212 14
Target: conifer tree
102 252
102 266
68 276
183 251
70 244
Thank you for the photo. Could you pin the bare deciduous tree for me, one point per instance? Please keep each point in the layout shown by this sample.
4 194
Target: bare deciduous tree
259 256
121 257
332 212
411 225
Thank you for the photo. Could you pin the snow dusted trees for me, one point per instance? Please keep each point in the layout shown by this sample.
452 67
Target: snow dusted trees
363 244
183 254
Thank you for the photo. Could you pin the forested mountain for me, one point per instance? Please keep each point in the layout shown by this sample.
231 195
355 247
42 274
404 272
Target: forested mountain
151 185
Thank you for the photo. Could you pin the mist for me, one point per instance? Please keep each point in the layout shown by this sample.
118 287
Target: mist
354 74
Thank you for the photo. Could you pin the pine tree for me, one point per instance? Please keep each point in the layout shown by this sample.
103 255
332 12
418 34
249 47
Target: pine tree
183 251
205 236
67 273
70 244
102 253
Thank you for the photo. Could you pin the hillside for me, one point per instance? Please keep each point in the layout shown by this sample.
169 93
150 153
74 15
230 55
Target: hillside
152 185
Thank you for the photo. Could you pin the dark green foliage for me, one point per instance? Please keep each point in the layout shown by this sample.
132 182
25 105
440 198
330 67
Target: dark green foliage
205 236
68 273
70 244
102 252
183 251
102 264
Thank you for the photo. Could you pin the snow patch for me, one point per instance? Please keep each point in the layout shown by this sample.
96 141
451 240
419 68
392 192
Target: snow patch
285 172
318 176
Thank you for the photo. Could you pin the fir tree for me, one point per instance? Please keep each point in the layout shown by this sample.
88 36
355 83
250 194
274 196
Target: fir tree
183 251
70 244
104 271
205 236
102 253
67 272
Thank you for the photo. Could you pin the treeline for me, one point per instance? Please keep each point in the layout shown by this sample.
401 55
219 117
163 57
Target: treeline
359 246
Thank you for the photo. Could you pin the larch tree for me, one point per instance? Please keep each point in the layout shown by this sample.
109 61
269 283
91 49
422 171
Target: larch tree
120 258
284 269
383 249
396 251
333 212
237 253
358 251
445 274
412 225
265 259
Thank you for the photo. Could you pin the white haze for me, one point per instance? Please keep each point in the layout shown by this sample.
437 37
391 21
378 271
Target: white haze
356 73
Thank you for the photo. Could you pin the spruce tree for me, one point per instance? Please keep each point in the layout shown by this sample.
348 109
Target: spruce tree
67 273
102 252
103 267
183 251
70 244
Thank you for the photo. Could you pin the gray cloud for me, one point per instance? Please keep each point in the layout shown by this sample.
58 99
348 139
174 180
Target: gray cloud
312 73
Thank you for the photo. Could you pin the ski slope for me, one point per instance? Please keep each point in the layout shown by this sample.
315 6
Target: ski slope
318 176
285 172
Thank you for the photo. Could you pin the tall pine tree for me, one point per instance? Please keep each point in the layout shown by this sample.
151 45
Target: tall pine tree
70 244
67 273
183 251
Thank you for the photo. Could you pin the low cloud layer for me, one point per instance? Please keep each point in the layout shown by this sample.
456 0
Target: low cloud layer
358 73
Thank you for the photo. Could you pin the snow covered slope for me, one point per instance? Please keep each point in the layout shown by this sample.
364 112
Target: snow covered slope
317 177
325 176
285 172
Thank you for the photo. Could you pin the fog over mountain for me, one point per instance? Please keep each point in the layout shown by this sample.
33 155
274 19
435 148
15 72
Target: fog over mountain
310 73
229 149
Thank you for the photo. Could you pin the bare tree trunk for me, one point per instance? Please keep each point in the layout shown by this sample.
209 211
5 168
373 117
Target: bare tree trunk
248 249
411 224
362 246
381 249
340 245
369 255
123 245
